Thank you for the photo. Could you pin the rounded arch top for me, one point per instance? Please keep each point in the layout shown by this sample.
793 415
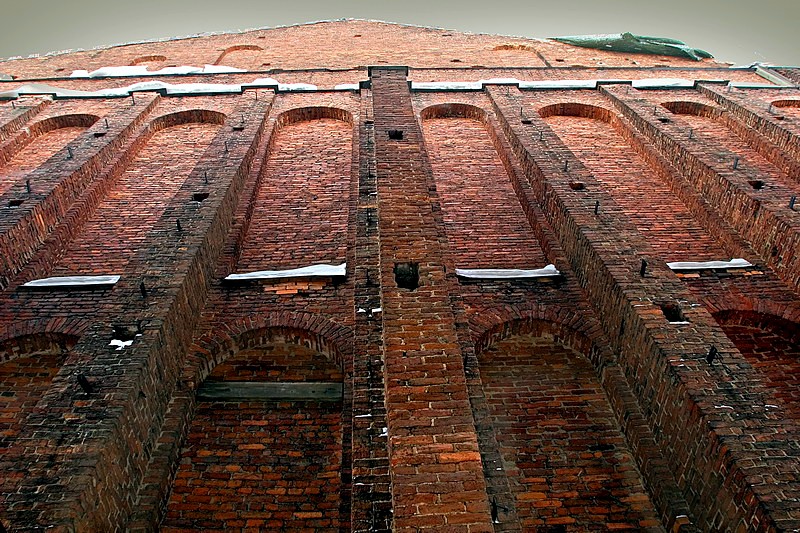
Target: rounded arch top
236 48
575 109
43 342
688 107
566 327
332 340
306 114
32 336
790 102
784 327
73 120
453 110
148 59
189 116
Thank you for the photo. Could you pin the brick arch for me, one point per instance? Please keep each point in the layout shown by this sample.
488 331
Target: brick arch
759 306
321 334
40 128
453 110
33 335
791 102
548 405
784 327
73 120
148 59
236 48
188 116
575 109
309 113
569 328
687 107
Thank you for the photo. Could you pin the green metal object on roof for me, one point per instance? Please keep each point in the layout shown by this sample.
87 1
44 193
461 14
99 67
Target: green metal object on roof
638 44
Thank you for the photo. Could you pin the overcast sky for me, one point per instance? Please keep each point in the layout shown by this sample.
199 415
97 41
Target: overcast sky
741 31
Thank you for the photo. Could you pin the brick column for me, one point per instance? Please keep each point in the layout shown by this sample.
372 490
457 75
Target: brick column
437 480
371 502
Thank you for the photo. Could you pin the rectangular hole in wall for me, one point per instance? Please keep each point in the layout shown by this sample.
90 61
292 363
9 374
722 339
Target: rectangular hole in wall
396 135
672 312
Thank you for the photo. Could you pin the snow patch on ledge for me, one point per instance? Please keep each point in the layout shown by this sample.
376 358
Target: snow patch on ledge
141 70
304 272
73 281
706 265
646 83
164 87
510 273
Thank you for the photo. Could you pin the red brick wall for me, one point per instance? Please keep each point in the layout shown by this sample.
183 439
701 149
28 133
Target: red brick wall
120 223
302 199
645 199
262 465
772 346
566 459
486 227
419 438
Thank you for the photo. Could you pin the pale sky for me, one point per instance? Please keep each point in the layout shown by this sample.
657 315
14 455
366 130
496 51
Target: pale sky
740 31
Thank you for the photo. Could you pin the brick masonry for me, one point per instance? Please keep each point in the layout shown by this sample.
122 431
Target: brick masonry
618 395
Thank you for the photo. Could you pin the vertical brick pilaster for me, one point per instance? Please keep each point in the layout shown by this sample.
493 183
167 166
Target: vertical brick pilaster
437 478
762 121
371 505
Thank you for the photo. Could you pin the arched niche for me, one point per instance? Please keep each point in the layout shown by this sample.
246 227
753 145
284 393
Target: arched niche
603 144
566 461
771 344
152 62
263 452
161 160
304 186
485 223
37 143
718 132
28 364
244 56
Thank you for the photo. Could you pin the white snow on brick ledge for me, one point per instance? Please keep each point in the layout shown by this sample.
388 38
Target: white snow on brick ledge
315 271
510 273
73 281
707 265
175 89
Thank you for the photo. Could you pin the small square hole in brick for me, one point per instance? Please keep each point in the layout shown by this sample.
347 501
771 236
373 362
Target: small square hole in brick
396 135
664 120
756 184
672 311
15 203
406 275
199 196
577 185
99 134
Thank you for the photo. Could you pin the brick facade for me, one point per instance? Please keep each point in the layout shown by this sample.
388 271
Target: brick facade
620 394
